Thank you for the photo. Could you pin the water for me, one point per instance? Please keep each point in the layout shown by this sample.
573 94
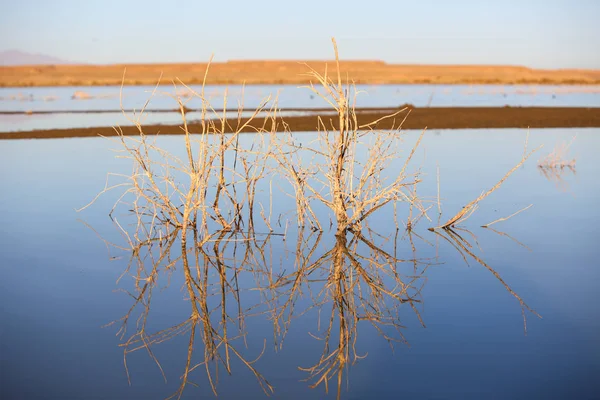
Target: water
22 122
292 96
58 283
289 96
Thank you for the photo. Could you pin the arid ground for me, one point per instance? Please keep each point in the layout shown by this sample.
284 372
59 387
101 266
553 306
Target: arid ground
285 72
419 118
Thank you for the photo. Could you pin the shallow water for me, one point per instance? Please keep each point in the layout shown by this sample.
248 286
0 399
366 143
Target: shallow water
58 283
292 96
22 122
288 96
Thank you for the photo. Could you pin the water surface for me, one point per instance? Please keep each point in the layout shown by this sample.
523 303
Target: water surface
294 96
58 282
288 96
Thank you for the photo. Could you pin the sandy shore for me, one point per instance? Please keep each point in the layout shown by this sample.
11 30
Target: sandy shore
286 72
419 118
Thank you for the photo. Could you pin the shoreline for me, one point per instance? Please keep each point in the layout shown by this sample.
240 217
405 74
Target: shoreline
417 118
239 82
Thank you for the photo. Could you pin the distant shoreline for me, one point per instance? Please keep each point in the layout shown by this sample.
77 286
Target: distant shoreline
419 118
287 72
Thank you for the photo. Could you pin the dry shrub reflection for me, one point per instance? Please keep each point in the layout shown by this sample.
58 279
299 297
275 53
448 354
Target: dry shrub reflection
334 287
466 249
211 286
352 284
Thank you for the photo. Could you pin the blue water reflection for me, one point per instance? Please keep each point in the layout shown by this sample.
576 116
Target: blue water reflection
291 96
58 282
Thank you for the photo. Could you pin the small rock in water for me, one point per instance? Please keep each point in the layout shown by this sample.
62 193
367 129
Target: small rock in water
79 95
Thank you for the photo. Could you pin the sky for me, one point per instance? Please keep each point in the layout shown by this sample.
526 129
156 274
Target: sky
533 33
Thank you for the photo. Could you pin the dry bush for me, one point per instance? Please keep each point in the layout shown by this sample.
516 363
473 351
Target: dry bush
558 159
190 205
328 170
188 211
557 165
213 183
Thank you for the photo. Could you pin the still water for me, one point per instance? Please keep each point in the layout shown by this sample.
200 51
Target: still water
59 99
22 122
293 96
461 338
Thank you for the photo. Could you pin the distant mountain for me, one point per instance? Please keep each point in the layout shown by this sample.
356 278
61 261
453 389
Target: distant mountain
17 57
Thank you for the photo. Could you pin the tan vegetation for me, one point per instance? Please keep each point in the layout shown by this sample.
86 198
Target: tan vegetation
556 165
468 210
558 158
287 72
177 203
350 188
198 213
506 218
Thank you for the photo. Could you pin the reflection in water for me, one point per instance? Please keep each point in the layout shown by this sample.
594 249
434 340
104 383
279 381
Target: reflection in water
353 282
558 175
557 165
216 316
508 236
466 251
357 281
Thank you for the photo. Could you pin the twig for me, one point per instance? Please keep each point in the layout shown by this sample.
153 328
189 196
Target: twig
505 218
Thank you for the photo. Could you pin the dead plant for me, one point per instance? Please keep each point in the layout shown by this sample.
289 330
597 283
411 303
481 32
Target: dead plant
470 208
558 159
328 171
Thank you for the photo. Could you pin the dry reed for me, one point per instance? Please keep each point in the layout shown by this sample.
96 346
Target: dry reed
355 282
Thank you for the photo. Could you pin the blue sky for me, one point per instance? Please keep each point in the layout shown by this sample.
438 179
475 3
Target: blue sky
535 33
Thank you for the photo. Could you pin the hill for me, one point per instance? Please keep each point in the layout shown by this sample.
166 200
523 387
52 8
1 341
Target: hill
17 57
